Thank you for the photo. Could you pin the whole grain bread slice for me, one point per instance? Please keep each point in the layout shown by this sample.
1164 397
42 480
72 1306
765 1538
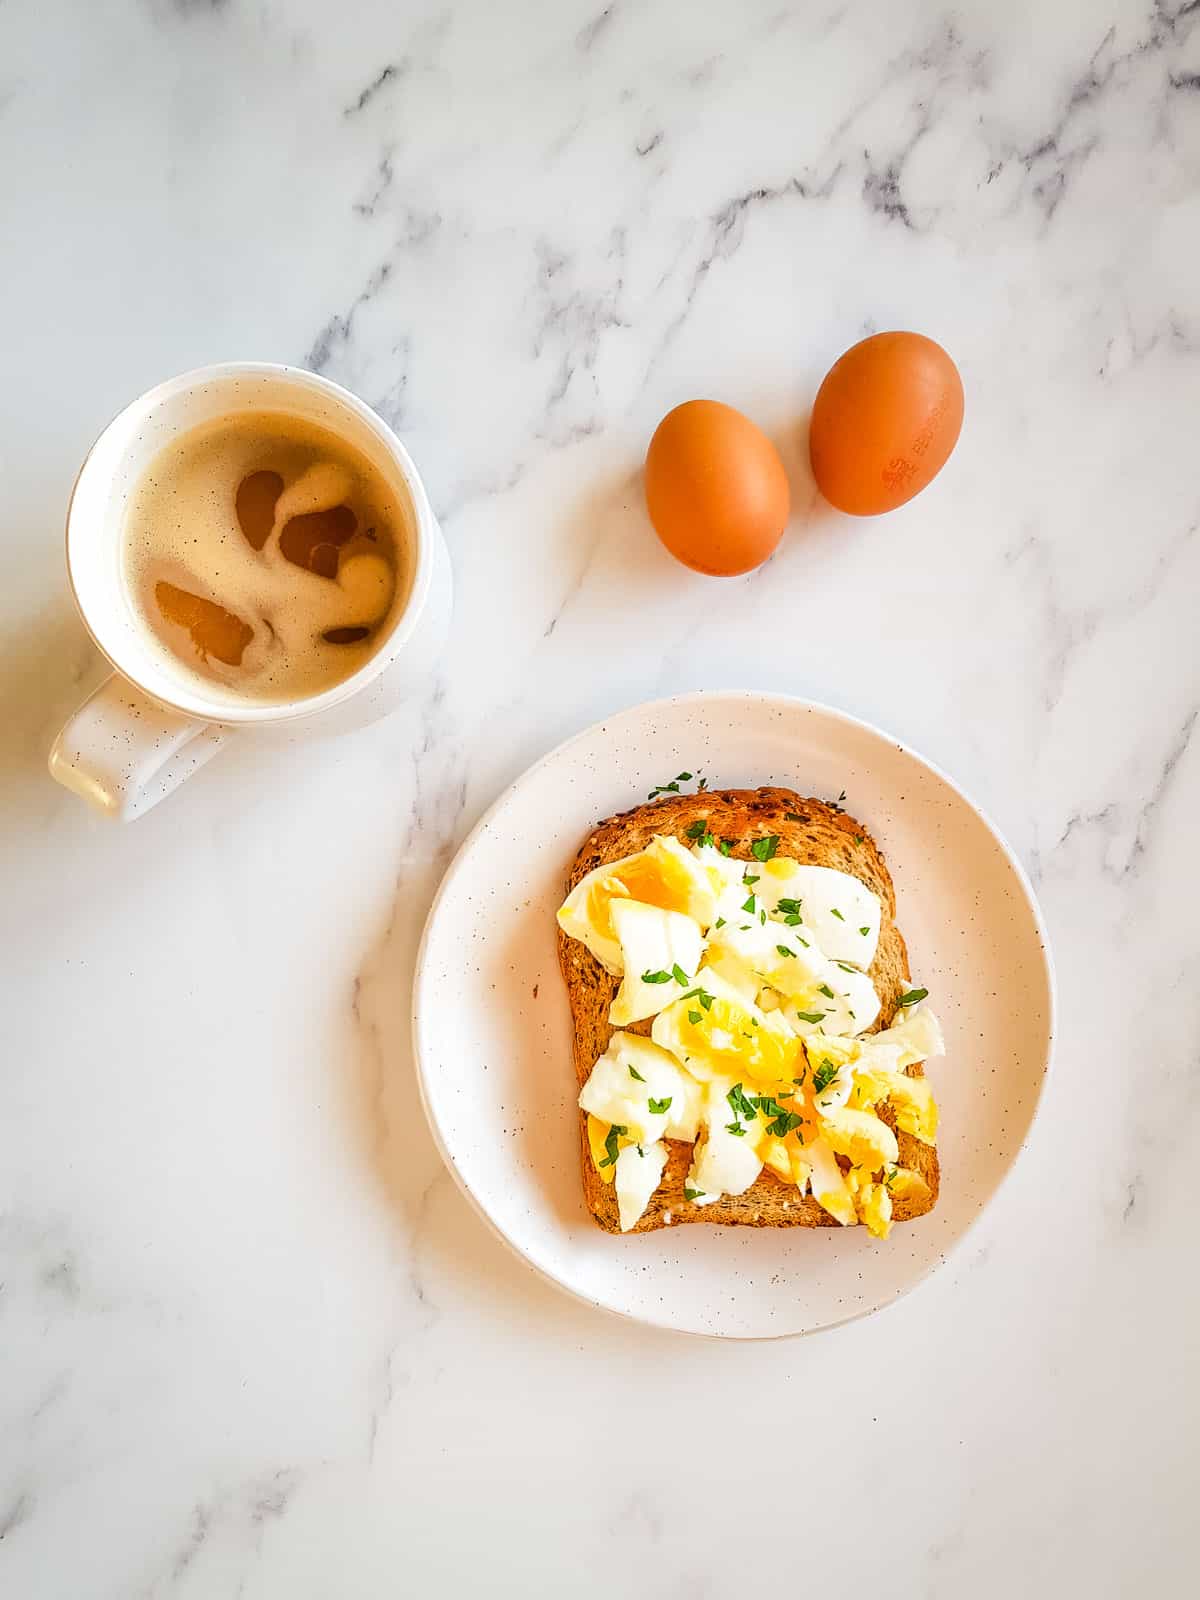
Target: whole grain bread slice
813 831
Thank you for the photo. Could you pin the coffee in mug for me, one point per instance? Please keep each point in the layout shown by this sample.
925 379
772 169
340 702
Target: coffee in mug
262 551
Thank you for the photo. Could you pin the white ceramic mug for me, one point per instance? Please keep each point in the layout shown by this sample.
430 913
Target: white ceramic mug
152 724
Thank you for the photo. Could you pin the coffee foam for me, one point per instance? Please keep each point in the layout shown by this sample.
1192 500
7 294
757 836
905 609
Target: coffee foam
182 528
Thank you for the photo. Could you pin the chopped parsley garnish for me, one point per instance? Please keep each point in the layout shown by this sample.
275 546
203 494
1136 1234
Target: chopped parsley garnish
683 777
693 1017
823 988
784 1120
785 952
858 839
800 936
792 816
834 912
784 1123
889 1176
657 1107
750 878
810 1016
698 831
750 905
656 977
836 805
680 976
702 784
702 995
725 846
720 923
768 1105
610 1144
864 932
692 1194
824 1076
912 996
845 966
764 849
762 917
741 1105
801 1078
634 1073
664 788
790 908
735 1128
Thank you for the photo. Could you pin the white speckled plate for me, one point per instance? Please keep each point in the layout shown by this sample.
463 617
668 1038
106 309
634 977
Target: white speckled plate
492 1029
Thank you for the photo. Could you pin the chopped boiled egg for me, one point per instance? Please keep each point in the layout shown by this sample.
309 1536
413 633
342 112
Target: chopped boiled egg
664 874
712 1031
639 1171
905 1184
911 1099
735 973
634 1087
784 1159
725 873
830 1065
777 1157
916 1109
916 1036
660 950
843 1001
875 1209
842 913
597 1134
828 1182
780 957
726 1160
861 1136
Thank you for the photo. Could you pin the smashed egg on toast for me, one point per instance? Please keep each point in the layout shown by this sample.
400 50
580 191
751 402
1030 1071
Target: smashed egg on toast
747 1038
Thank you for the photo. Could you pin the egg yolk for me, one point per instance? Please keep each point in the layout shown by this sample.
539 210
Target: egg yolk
733 1041
660 883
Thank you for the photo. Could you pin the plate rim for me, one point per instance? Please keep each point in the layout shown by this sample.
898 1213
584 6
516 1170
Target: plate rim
792 702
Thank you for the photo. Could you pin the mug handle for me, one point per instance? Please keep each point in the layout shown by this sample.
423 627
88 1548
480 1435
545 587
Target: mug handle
123 752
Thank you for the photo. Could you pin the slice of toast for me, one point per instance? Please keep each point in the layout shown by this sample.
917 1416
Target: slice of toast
811 831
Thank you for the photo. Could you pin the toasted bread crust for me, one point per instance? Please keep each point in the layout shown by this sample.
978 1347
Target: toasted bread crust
811 831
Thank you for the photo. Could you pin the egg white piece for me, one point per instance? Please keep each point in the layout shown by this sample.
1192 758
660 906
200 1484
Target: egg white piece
654 1074
843 1002
916 1035
613 1094
725 872
576 921
783 958
734 972
834 905
638 1174
725 1163
828 1183
664 874
652 941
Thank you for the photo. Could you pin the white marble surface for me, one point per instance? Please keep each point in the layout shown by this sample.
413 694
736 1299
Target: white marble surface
252 1341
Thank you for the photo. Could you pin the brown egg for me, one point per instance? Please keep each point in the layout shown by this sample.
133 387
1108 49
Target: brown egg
884 422
716 490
